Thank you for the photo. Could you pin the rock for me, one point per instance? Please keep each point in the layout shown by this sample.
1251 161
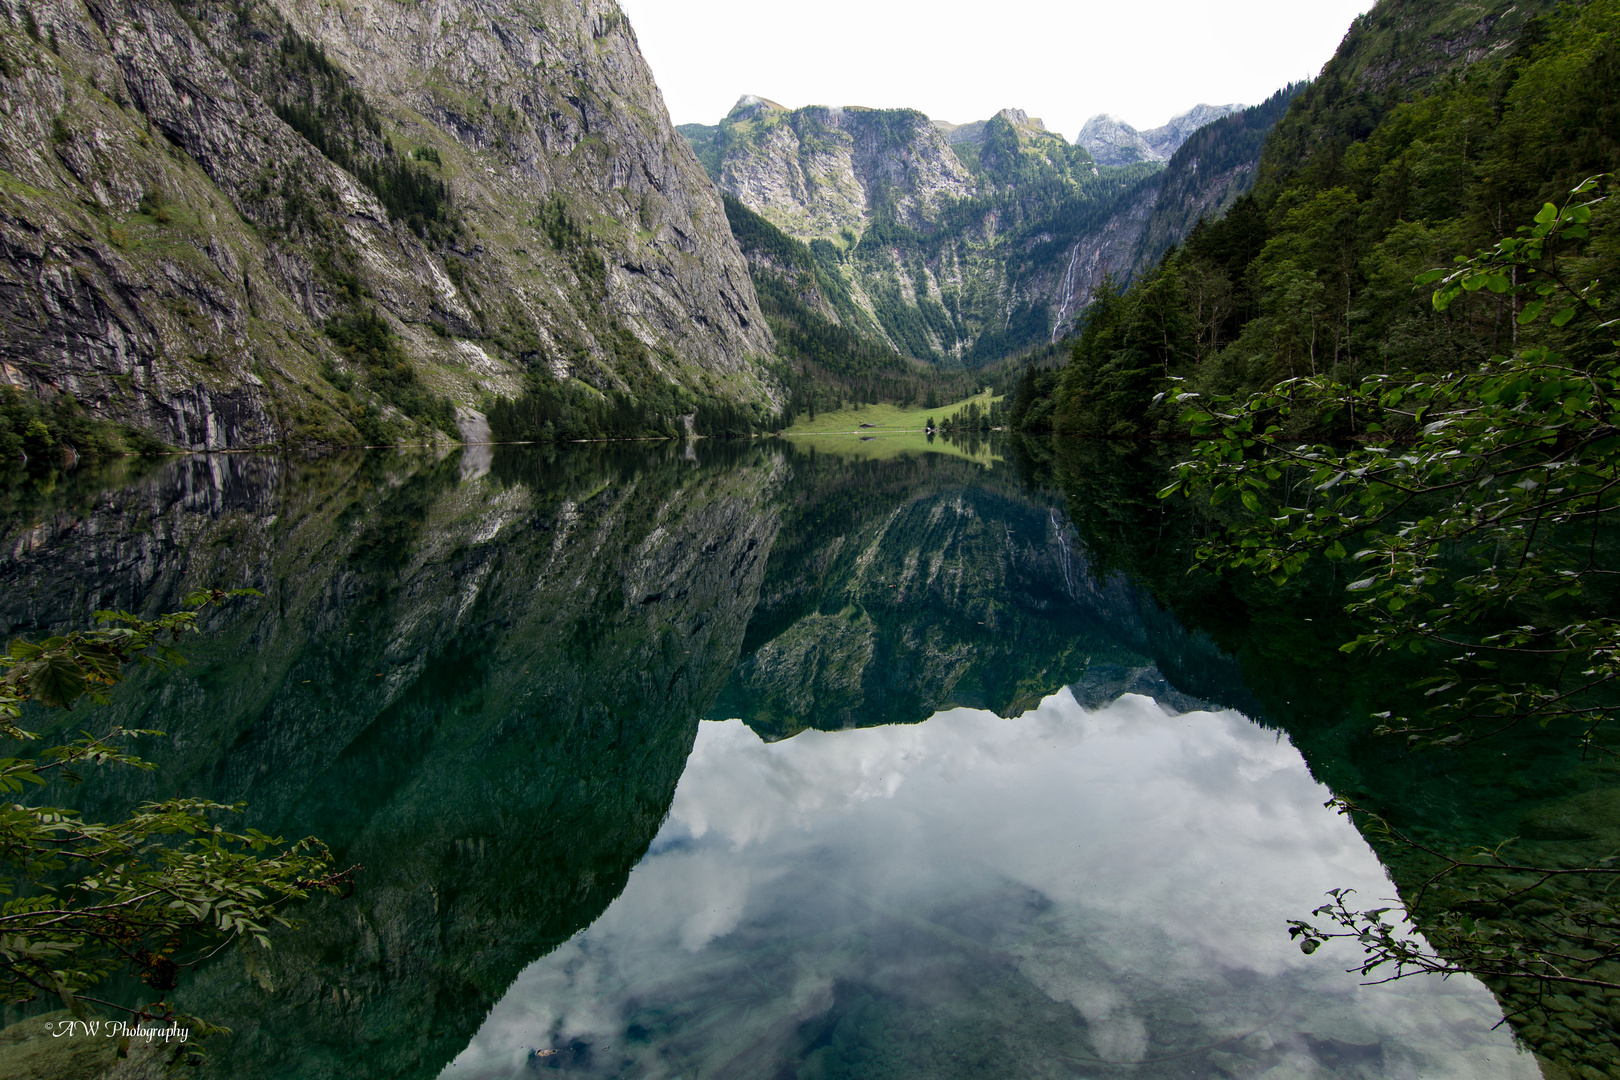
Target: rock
1114 142
171 246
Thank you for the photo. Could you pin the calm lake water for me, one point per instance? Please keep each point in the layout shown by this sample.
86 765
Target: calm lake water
728 760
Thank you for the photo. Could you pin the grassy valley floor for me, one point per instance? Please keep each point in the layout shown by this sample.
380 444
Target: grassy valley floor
884 418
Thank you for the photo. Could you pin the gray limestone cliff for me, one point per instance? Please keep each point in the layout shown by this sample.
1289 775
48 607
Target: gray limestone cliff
192 192
958 243
1114 142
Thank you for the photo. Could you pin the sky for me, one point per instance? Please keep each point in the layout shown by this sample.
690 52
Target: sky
1061 60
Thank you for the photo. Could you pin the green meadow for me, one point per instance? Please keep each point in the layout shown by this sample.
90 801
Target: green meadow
883 417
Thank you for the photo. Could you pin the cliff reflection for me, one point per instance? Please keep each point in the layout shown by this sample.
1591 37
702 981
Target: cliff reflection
481 686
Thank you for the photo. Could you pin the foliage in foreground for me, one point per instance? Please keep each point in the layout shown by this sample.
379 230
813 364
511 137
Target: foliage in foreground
152 895
1479 505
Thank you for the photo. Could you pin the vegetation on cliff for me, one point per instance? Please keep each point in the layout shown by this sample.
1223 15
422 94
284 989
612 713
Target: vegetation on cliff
197 194
825 364
44 434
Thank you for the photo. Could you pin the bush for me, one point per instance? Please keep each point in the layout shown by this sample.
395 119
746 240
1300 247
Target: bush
41 432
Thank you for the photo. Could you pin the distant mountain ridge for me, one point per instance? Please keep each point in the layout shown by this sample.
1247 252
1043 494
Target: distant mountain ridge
1111 141
955 244
973 133
963 243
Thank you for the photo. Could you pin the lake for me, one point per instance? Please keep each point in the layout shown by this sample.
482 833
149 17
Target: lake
746 759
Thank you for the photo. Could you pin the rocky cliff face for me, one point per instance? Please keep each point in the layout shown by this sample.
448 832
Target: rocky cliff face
190 194
818 169
958 242
1211 169
1114 142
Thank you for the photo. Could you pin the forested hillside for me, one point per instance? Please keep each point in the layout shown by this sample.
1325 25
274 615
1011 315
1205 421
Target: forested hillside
1430 135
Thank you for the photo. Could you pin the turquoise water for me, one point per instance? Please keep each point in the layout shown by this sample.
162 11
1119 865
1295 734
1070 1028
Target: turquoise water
729 760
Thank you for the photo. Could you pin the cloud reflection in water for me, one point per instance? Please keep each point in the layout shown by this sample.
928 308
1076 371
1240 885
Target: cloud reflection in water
1068 893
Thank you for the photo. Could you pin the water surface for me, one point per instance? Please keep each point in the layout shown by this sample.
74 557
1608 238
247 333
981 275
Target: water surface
1065 893
963 806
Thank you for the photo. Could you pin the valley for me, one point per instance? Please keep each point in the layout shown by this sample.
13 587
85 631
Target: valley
837 591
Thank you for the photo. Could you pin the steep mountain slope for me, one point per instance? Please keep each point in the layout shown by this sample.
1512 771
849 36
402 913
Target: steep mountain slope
231 224
1210 169
965 243
960 243
1435 130
1391 55
1111 141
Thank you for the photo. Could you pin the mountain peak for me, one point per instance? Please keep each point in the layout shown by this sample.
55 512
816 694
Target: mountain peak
756 103
1114 142
974 132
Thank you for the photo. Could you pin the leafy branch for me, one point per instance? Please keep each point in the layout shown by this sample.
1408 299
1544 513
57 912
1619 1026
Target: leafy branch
1472 502
152 895
1457 901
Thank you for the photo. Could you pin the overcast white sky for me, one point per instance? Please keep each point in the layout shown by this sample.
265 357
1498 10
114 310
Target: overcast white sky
961 60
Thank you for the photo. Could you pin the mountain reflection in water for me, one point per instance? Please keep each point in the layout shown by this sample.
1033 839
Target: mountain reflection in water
481 677
1064 893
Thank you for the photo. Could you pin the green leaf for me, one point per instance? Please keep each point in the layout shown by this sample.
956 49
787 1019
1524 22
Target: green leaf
25 650
56 682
